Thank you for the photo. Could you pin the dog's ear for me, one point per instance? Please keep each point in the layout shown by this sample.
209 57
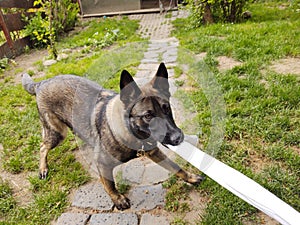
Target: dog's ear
129 89
160 80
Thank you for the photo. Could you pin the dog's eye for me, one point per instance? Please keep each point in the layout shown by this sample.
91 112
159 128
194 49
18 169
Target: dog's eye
148 116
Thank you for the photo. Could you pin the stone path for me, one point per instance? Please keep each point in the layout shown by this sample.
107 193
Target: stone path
90 203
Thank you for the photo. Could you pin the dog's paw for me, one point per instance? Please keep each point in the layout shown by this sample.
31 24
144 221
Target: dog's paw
195 179
43 174
122 202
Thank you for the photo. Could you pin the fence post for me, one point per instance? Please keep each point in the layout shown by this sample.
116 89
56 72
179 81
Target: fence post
6 31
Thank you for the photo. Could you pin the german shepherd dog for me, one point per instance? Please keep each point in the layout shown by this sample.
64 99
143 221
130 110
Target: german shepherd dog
117 126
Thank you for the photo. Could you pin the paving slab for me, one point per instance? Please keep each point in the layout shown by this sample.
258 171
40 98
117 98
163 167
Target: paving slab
114 219
149 219
155 174
147 197
132 171
73 219
142 172
148 66
92 196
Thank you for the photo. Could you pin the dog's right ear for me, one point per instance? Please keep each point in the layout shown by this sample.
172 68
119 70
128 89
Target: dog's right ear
129 90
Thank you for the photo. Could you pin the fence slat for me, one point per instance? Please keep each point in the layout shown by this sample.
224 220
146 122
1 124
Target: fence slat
14 21
5 30
22 4
19 45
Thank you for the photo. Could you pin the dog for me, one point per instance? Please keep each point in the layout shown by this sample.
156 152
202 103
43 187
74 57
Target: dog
119 127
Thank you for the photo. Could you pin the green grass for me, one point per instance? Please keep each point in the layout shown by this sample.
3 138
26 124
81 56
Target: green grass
261 124
20 130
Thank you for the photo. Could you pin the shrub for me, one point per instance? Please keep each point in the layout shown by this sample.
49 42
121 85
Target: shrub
210 11
52 19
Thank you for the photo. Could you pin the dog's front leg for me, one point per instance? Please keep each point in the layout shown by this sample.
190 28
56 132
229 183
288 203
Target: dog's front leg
161 159
106 177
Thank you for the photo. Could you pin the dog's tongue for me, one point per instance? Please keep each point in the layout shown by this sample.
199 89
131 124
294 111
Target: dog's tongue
237 183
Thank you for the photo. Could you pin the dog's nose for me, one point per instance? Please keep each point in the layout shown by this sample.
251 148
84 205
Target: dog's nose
176 138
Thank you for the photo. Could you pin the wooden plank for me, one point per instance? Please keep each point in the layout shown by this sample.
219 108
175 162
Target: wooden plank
24 4
19 46
149 4
14 21
6 51
156 10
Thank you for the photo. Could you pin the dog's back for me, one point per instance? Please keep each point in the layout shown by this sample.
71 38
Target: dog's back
70 98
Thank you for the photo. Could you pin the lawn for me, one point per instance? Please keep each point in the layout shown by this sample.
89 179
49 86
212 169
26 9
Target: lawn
259 110
247 117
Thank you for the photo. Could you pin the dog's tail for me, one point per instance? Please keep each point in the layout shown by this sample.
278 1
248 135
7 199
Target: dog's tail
28 84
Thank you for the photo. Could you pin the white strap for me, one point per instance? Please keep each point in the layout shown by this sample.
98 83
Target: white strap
239 184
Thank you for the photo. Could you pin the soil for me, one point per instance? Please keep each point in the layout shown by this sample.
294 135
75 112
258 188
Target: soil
227 63
287 66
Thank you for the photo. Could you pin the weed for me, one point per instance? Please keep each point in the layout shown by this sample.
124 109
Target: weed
179 83
176 195
122 185
7 202
177 71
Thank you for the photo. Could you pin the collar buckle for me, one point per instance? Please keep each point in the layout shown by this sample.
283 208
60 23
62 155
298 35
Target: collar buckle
141 152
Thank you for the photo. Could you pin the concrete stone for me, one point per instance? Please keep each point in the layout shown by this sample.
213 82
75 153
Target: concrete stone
158 44
142 171
149 60
150 55
143 74
62 56
92 196
146 197
169 59
141 81
148 66
114 219
73 219
155 174
149 219
173 88
49 62
171 72
171 51
133 171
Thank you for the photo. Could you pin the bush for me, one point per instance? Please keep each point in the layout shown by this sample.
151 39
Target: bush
210 11
52 19
38 30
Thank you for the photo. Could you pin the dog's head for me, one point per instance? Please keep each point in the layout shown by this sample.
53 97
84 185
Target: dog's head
149 113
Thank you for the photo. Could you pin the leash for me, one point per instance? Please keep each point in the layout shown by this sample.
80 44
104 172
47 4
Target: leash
239 184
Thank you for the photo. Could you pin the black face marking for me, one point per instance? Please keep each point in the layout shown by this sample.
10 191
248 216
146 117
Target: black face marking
151 117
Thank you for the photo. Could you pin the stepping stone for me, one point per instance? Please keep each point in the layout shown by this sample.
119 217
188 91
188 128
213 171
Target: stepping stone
148 66
73 219
147 197
148 219
143 172
49 62
92 196
114 219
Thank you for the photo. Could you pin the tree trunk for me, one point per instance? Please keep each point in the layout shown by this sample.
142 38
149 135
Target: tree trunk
207 16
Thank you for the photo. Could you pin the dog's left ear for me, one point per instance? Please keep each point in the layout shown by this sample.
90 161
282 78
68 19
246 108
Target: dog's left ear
160 81
129 90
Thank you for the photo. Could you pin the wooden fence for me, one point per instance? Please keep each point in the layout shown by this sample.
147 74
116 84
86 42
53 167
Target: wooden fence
13 22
